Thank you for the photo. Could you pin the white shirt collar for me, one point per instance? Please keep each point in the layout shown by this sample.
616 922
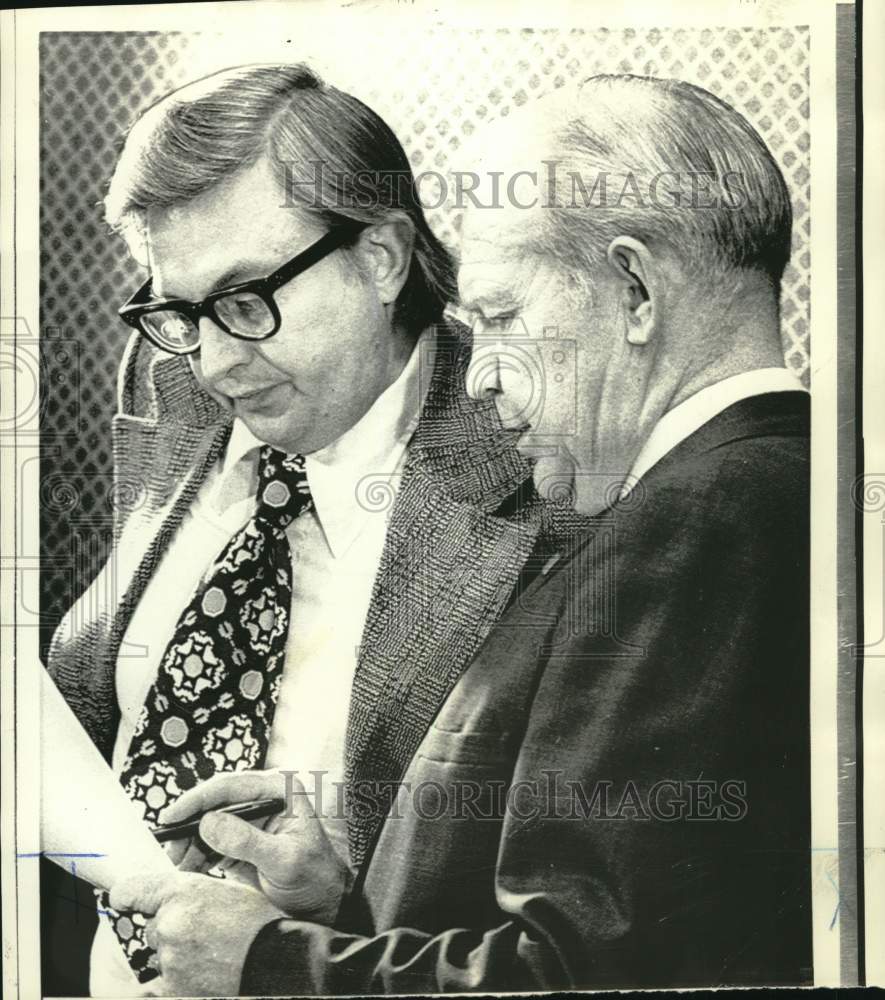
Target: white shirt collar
692 413
342 474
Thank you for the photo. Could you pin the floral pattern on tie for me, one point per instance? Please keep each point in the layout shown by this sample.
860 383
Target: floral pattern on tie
212 704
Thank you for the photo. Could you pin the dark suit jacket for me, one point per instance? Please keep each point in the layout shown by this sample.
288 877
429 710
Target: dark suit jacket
664 661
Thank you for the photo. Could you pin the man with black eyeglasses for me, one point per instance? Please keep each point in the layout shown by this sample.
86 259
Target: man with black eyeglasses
322 544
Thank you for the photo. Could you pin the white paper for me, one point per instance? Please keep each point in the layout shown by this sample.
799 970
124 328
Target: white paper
86 817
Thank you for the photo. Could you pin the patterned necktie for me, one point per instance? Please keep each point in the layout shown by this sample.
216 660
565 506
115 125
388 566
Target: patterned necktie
211 706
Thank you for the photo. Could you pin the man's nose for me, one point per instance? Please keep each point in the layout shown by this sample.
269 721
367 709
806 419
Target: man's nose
220 353
484 371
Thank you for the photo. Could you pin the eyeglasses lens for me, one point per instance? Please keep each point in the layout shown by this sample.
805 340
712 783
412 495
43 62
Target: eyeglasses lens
171 329
245 313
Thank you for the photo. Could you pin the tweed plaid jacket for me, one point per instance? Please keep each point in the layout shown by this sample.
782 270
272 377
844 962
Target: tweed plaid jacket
449 565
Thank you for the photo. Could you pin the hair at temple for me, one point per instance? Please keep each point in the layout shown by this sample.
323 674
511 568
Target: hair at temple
196 136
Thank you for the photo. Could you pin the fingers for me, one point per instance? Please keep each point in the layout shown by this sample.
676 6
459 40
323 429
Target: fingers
275 856
241 872
190 854
145 893
198 857
177 849
223 790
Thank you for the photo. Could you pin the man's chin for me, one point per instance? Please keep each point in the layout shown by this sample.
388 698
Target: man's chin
277 431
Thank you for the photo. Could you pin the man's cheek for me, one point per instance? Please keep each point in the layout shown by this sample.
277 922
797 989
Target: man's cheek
521 378
554 389
220 398
298 358
223 401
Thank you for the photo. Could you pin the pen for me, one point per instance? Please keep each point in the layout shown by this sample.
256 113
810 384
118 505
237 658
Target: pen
245 810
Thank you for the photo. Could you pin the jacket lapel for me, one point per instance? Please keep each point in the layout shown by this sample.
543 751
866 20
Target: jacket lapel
165 459
160 462
447 571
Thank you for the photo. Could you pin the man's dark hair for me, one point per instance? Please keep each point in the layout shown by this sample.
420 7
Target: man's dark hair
336 159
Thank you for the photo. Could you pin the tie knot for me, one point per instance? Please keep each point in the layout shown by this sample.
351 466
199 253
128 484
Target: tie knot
283 492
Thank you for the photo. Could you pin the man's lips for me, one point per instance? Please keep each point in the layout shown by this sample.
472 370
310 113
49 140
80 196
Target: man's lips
254 397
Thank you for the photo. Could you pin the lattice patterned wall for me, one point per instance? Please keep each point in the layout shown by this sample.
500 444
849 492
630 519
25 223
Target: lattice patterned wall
435 87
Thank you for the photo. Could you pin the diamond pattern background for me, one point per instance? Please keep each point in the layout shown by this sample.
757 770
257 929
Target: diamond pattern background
435 86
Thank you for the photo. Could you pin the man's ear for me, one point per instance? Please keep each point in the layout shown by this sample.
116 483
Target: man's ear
387 252
634 266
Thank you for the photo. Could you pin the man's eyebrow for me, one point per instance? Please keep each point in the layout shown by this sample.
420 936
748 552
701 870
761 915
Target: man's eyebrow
245 271
477 295
240 272
487 300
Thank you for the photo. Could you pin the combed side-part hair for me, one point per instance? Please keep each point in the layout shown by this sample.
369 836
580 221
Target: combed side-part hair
336 159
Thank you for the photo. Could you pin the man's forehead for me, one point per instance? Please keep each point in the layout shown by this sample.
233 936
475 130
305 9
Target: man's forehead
494 243
479 287
245 202
241 220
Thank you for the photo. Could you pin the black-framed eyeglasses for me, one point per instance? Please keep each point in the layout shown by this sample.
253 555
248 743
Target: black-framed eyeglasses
247 310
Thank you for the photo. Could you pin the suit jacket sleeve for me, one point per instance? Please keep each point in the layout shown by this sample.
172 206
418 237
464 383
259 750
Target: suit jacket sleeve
673 848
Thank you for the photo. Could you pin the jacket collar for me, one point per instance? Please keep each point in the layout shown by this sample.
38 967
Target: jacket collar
449 567
700 408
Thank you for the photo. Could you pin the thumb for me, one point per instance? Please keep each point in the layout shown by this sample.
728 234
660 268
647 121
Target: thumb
272 854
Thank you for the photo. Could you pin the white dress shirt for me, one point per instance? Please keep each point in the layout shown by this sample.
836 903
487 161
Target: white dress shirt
336 550
691 414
